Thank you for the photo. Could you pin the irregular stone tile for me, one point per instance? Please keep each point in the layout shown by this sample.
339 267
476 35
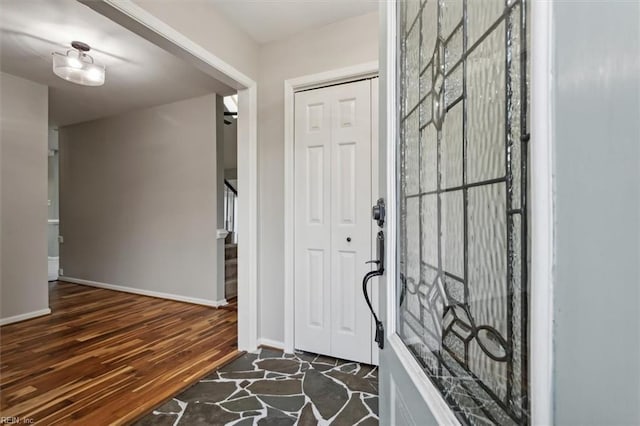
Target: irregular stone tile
243 375
353 412
286 355
354 383
284 403
251 414
244 422
286 366
280 387
244 363
212 376
328 396
373 404
348 368
304 366
297 376
307 418
364 370
326 360
208 392
206 414
322 367
369 421
276 418
241 393
274 376
270 353
157 420
248 403
170 406
305 356
244 383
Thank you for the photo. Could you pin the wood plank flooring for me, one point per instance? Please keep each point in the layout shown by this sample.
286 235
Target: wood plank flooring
105 357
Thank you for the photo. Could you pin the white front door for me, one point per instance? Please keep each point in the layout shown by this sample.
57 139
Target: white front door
332 219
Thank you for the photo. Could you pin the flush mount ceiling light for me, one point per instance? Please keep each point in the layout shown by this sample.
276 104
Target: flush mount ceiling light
77 66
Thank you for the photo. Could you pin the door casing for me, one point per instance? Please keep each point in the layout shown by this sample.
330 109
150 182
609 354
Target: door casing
314 81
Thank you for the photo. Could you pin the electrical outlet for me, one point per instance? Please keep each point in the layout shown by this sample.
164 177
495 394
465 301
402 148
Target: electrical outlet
60 272
60 239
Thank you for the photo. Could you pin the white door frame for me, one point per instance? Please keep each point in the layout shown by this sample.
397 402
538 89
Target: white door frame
542 224
147 26
343 75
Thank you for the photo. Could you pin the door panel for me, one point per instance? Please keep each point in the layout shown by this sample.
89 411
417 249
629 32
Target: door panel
458 296
333 198
351 226
312 221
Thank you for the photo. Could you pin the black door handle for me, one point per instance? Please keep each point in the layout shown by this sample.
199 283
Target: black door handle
379 338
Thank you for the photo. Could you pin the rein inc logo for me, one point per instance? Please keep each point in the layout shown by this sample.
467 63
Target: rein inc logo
16 420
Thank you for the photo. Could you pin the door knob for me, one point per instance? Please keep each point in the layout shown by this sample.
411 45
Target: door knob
348 239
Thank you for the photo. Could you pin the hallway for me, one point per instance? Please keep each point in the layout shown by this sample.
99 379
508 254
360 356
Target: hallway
106 357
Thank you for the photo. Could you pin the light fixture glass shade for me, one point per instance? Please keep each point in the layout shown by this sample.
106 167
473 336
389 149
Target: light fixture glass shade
78 68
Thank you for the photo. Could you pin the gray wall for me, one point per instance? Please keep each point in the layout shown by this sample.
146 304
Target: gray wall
23 195
342 44
596 133
138 199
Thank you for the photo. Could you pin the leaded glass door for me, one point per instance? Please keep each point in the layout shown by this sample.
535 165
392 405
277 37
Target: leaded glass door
461 278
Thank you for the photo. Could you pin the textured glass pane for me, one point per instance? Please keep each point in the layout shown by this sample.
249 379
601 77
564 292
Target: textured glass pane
429 159
412 8
453 51
451 15
413 241
486 110
412 58
425 110
453 233
514 79
488 301
412 155
426 81
429 30
452 148
429 221
453 86
481 14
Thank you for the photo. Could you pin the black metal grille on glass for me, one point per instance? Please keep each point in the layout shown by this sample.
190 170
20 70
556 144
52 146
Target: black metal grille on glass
463 202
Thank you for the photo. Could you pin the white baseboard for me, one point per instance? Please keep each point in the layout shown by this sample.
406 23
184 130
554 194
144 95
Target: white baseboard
160 295
271 343
23 317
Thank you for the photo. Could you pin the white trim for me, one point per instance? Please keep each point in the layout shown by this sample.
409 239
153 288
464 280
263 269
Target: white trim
150 293
221 234
53 221
276 344
138 20
431 395
542 221
342 75
24 317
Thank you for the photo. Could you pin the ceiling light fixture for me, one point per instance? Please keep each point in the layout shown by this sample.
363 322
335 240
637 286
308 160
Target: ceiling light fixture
77 66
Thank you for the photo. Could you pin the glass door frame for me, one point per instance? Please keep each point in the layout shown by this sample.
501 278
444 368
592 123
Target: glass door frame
541 215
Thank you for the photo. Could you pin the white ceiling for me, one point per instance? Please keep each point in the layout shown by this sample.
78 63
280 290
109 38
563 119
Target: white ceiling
139 74
270 20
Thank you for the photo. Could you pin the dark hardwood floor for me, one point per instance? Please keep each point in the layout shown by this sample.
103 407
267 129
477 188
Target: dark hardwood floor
105 357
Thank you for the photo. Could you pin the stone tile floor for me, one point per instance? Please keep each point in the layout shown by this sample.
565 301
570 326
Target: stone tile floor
272 388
